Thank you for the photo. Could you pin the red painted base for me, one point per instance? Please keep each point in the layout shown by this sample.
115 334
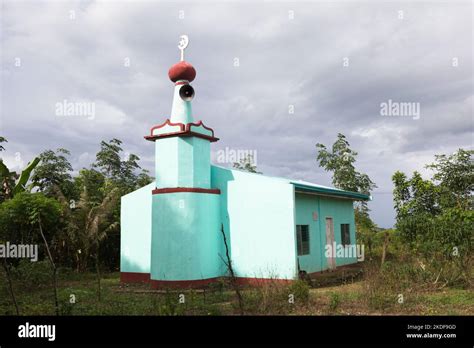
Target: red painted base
127 277
262 281
133 277
182 284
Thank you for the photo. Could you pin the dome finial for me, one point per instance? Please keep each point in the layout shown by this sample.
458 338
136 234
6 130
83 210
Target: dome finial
182 70
183 43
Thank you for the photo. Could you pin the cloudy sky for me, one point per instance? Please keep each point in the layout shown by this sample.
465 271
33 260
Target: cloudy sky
275 77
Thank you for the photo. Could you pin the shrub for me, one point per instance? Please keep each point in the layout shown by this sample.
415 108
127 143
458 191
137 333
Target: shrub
334 301
33 274
300 290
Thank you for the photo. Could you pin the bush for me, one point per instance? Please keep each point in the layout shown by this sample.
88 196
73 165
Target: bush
334 301
33 274
300 290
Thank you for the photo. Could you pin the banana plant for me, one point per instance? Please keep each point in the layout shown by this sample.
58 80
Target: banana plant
19 186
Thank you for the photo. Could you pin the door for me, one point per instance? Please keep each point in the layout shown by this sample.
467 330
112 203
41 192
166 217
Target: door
330 241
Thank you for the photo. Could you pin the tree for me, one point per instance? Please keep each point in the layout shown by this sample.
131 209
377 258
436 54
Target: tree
11 186
119 173
54 169
93 182
8 180
2 140
144 178
93 222
340 161
246 164
454 175
31 218
435 217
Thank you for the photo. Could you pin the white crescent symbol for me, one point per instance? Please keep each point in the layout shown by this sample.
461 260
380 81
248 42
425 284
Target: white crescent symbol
183 42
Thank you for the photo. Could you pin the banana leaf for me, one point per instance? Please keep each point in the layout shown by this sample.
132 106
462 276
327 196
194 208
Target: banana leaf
25 176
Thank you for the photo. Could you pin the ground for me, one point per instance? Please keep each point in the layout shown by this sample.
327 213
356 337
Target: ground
349 297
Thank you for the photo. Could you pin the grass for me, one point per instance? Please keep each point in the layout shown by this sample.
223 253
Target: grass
138 299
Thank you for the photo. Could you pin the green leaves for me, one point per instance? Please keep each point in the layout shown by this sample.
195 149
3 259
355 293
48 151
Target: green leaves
54 169
118 172
341 161
246 164
25 176
435 215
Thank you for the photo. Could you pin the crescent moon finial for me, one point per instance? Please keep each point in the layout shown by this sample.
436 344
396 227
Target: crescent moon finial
183 43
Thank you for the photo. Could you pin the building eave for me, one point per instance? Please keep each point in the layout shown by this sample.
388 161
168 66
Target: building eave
330 192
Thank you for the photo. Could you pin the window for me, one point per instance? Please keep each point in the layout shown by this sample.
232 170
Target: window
345 234
302 239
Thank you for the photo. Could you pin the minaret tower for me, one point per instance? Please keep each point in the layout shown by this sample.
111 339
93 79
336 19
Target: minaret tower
185 209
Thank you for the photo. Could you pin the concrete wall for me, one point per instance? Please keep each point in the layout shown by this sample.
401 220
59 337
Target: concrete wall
186 236
257 214
135 230
182 162
342 212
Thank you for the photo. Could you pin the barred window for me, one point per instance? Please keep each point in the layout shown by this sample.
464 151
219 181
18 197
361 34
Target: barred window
302 239
345 234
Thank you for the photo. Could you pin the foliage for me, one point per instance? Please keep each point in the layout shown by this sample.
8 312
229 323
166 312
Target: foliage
334 301
19 218
2 140
8 180
32 274
246 164
340 161
120 173
54 170
435 216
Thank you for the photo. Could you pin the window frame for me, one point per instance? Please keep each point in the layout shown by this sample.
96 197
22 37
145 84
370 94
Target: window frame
300 243
343 234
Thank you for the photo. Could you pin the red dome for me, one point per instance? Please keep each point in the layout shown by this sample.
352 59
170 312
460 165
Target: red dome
182 71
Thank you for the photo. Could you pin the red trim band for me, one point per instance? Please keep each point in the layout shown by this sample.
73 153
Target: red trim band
182 284
169 123
134 277
181 134
185 189
184 131
182 82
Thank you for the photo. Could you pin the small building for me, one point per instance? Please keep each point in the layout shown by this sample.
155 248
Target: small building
172 230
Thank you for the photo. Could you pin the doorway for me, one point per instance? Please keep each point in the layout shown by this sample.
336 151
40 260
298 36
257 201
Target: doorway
330 241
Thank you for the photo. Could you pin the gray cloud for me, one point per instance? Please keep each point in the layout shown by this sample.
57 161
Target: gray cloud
282 62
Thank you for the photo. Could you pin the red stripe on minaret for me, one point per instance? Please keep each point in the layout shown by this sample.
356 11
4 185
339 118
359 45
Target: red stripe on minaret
186 189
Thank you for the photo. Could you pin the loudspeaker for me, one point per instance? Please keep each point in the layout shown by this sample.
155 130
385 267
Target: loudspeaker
186 92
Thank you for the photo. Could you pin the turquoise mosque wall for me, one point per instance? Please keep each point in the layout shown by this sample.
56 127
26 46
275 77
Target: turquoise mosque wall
342 212
135 224
186 236
259 213
182 162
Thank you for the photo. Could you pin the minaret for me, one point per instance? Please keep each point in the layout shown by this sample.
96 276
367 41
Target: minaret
185 211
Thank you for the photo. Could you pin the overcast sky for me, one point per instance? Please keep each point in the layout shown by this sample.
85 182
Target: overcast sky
334 64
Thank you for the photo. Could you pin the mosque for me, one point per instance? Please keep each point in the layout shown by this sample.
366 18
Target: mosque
176 231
